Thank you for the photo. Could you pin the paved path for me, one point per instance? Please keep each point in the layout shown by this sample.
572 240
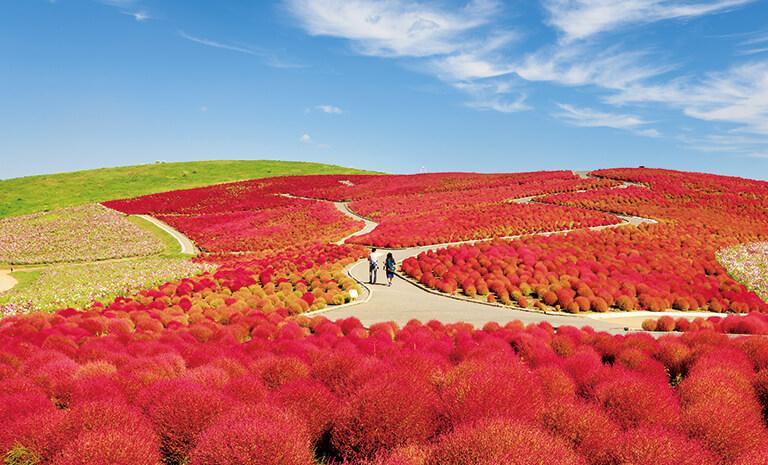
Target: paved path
7 282
187 246
368 227
406 300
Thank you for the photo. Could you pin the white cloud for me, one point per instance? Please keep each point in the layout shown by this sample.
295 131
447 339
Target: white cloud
451 43
581 65
500 105
587 117
394 28
119 3
306 139
738 96
139 15
739 144
756 43
215 44
579 19
330 109
493 95
269 58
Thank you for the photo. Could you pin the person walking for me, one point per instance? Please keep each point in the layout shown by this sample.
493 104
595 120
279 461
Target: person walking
373 266
389 267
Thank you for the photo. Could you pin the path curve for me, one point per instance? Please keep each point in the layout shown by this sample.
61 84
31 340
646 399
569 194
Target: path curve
7 282
187 246
369 226
406 300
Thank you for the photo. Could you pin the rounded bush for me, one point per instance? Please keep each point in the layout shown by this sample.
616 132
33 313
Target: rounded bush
501 441
113 446
254 436
391 411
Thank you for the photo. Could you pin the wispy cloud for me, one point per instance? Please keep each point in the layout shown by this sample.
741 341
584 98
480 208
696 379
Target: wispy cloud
756 42
394 28
457 45
588 117
579 65
329 109
738 96
753 146
494 95
579 19
268 57
132 8
221 45
466 47
119 3
140 15
306 139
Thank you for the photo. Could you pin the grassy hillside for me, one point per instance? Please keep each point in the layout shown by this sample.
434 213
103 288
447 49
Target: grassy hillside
37 193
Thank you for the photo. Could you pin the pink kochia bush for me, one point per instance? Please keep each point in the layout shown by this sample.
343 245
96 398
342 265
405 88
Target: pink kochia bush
303 390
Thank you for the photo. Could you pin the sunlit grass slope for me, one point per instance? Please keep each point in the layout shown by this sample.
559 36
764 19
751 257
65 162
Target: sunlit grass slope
37 193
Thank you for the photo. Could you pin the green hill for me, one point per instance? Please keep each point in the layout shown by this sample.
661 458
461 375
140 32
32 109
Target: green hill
37 193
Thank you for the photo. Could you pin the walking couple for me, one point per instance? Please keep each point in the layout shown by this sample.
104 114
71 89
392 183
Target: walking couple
373 266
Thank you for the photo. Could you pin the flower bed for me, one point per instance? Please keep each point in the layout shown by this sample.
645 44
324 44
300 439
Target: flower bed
748 264
160 379
302 223
223 368
79 285
85 233
650 267
412 210
466 223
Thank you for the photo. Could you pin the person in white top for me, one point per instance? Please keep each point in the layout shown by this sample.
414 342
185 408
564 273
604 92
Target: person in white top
373 265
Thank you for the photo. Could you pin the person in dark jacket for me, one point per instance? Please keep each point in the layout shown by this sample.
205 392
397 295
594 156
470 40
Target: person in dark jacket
389 267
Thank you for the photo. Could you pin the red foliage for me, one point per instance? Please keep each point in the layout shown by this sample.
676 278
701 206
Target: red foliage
653 267
221 368
180 411
254 436
500 440
385 413
114 446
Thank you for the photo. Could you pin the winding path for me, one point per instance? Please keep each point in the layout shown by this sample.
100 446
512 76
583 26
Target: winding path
187 246
406 300
7 282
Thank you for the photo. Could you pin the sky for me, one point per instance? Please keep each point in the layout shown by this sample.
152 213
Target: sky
399 86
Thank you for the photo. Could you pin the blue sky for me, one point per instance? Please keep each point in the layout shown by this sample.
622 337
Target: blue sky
398 86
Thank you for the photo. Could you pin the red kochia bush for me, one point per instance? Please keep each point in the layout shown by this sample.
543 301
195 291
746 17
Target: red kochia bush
310 401
720 405
97 416
477 389
393 410
633 400
113 446
583 425
501 441
655 446
179 411
254 436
